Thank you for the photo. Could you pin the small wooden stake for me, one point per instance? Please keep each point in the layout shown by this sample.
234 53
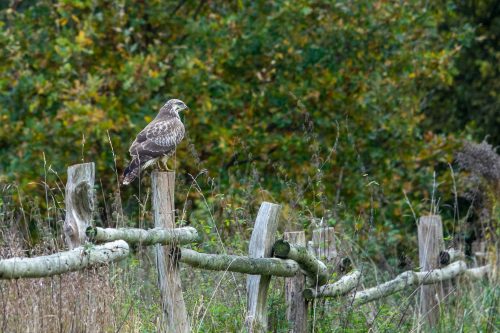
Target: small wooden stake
430 243
323 243
174 317
79 203
261 244
296 304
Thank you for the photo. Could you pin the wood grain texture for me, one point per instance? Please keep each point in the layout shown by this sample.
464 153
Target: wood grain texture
260 246
323 244
296 304
79 203
430 244
174 317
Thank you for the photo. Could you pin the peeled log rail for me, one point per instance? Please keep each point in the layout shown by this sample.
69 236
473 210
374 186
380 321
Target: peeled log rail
63 262
316 271
239 264
177 236
478 272
410 278
341 287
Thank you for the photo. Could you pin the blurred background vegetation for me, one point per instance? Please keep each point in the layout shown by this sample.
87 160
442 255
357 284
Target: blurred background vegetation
352 112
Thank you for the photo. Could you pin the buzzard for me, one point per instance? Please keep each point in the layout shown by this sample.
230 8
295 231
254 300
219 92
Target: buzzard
157 141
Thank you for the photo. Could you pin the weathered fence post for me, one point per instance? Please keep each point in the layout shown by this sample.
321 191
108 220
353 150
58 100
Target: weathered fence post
174 316
296 304
478 246
79 203
430 244
260 246
323 243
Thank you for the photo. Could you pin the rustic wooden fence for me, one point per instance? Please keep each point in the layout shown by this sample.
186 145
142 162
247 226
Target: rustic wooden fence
301 263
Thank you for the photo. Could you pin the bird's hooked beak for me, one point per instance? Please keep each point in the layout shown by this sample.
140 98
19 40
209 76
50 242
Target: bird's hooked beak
181 107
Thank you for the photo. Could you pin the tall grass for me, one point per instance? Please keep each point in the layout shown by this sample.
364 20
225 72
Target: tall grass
124 297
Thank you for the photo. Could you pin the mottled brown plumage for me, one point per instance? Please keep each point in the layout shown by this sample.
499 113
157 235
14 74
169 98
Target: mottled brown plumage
158 140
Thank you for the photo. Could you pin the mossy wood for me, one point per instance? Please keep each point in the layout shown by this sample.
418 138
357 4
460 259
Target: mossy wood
164 236
239 264
344 285
478 272
63 262
412 279
315 270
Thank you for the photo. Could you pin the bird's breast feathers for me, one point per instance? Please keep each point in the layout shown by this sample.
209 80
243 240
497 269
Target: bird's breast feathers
167 133
159 137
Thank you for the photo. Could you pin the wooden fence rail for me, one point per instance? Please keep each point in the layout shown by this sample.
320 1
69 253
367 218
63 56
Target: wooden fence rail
315 270
344 285
63 262
239 264
292 259
136 236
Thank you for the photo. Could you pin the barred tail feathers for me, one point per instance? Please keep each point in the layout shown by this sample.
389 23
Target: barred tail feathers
134 168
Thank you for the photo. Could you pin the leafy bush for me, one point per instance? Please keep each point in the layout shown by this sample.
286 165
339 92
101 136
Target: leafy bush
313 104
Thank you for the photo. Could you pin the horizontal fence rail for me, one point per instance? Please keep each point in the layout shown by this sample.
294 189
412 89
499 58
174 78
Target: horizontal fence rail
344 285
136 236
239 264
63 262
315 270
306 275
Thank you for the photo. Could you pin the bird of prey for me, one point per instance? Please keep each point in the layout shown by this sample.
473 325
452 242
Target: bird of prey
157 141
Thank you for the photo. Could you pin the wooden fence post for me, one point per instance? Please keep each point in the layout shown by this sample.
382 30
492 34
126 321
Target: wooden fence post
430 244
79 203
174 315
261 243
478 246
323 243
296 304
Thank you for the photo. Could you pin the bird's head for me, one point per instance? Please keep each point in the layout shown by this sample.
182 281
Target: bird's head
174 105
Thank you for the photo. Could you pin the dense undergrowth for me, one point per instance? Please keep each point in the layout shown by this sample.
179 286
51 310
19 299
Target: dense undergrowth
361 115
124 297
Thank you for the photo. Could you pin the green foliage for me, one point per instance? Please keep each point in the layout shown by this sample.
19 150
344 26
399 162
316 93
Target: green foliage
316 105
471 100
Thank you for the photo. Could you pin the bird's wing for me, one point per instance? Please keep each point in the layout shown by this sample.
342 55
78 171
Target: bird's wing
158 138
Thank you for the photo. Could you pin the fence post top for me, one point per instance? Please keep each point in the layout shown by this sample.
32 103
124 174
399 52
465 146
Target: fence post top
429 218
81 165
